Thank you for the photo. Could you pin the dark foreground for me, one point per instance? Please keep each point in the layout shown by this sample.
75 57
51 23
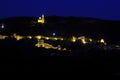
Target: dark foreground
20 57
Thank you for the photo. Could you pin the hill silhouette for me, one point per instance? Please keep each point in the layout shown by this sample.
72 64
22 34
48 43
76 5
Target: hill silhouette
64 26
24 56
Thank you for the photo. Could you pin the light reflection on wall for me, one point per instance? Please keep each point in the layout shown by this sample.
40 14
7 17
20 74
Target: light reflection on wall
42 44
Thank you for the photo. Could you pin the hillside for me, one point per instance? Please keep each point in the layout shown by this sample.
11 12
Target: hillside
64 26
80 47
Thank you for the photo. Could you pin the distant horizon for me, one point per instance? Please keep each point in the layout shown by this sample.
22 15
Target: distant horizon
58 16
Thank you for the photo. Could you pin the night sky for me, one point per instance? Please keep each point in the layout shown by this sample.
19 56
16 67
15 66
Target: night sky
104 9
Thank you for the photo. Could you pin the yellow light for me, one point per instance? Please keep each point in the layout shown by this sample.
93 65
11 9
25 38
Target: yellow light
3 37
64 49
103 41
37 45
19 37
73 39
59 48
55 38
40 45
41 20
29 37
14 35
83 41
81 37
47 47
90 40
61 39
38 37
47 38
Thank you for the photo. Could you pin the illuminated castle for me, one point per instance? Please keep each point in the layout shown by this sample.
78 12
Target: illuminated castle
41 19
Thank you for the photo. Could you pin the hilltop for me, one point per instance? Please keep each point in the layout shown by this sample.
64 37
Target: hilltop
63 26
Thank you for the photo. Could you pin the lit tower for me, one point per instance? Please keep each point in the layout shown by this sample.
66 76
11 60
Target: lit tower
41 19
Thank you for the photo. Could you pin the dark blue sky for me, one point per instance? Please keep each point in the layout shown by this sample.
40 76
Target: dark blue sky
105 9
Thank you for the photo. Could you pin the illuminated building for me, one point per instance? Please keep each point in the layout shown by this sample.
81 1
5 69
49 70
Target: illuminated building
48 46
42 44
41 19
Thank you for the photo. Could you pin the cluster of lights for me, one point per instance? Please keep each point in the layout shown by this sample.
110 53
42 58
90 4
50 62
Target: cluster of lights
48 38
83 39
38 37
73 39
41 43
41 39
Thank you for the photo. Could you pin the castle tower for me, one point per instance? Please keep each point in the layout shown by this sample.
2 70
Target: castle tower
41 19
